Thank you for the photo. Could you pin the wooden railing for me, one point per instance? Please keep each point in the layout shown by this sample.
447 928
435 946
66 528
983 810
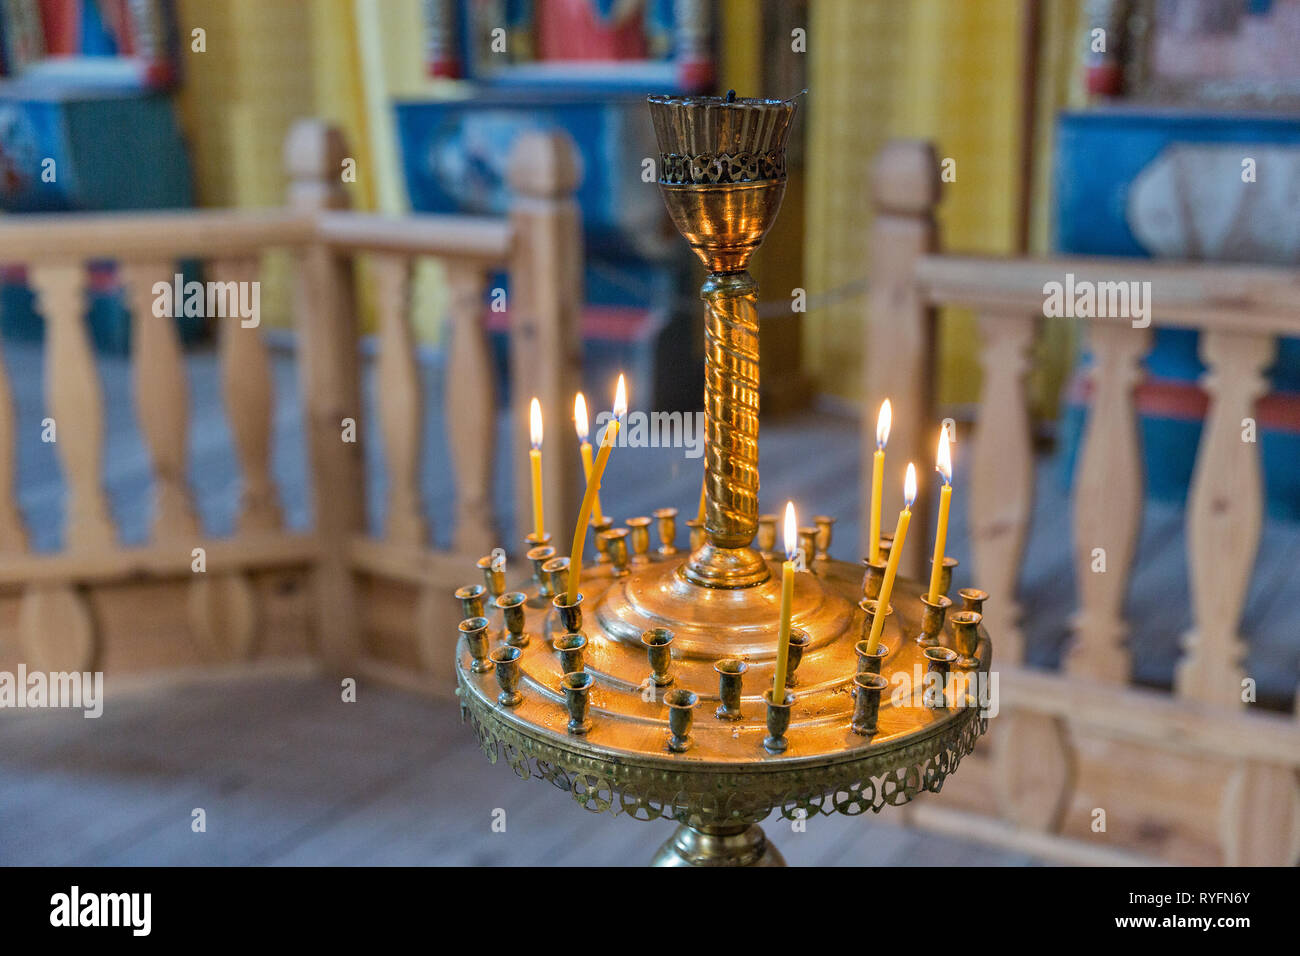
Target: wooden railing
96 604
1196 763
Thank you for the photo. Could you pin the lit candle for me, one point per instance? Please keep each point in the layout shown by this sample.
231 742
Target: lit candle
593 486
895 553
584 448
883 421
535 454
943 465
787 600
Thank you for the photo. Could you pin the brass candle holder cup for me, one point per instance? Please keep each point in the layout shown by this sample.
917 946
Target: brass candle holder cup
808 544
825 528
799 641
616 548
658 644
874 578
866 703
932 619
945 573
535 540
471 599
570 647
870 663
570 614
556 572
475 632
972 599
766 540
512 607
966 637
731 678
539 556
506 660
681 711
868 607
936 680
602 543
666 519
778 722
577 699
639 535
494 575
696 527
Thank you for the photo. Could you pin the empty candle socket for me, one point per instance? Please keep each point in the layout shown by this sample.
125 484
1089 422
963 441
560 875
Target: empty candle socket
681 712
494 574
539 556
767 537
945 574
966 637
658 644
666 519
799 641
577 700
808 544
870 663
696 527
616 549
602 544
506 660
936 678
825 528
972 599
570 614
874 578
556 573
731 680
639 537
867 689
471 599
475 630
778 722
932 619
512 607
570 647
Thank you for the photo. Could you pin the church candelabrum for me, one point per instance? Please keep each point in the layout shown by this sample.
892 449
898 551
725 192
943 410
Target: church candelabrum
651 693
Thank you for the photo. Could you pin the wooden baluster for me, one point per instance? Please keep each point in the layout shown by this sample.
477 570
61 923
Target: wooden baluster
161 398
900 339
1224 517
545 311
401 402
470 403
1259 819
1108 485
55 626
1002 474
249 392
13 529
329 376
75 402
1034 769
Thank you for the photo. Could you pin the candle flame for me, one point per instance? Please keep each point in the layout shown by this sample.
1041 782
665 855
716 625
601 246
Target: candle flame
620 399
535 423
791 532
909 486
883 421
943 463
580 416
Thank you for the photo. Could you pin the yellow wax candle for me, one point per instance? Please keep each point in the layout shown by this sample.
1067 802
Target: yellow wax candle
883 420
584 449
895 553
535 455
593 486
787 601
704 485
943 465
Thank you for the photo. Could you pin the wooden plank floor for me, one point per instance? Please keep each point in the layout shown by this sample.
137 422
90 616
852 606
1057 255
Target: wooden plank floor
289 774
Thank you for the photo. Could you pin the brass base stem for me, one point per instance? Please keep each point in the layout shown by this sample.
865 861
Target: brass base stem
739 845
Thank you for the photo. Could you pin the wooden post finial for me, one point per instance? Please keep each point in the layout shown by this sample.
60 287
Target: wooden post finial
545 165
314 152
905 177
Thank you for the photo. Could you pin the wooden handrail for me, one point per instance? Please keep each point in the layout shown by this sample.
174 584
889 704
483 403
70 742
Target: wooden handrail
180 234
449 237
1263 300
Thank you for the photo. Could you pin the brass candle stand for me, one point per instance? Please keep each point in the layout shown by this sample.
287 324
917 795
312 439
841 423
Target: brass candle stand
651 694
